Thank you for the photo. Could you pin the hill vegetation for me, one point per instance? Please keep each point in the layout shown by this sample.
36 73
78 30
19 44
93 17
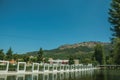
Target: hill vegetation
85 52
77 50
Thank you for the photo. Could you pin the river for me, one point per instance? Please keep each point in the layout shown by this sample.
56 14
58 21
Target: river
82 75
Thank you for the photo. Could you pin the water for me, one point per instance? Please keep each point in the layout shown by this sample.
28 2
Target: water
83 75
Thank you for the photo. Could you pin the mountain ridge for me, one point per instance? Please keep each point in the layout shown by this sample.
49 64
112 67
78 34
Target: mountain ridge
77 49
89 44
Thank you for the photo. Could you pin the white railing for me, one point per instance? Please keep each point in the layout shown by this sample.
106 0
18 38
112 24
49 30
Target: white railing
46 67
6 63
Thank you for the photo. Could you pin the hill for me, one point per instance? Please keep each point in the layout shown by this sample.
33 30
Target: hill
76 50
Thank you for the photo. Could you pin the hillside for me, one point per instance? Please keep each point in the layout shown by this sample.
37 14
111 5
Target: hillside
78 49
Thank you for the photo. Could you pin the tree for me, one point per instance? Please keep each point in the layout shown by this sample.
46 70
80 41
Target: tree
15 57
117 51
40 55
71 60
9 54
109 61
114 19
33 59
87 61
26 58
1 54
99 55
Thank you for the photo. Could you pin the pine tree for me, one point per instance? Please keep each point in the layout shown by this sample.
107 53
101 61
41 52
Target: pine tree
9 54
40 55
114 19
1 54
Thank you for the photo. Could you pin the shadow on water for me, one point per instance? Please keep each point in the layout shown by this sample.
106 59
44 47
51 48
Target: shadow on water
81 75
106 75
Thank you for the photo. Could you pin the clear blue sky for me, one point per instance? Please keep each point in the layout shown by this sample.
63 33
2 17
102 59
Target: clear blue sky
27 25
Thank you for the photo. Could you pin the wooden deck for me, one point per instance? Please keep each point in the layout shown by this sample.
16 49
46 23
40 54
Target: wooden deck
109 66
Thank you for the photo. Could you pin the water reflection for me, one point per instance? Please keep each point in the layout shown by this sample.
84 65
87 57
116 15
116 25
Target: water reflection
78 75
46 76
61 76
34 76
3 77
20 77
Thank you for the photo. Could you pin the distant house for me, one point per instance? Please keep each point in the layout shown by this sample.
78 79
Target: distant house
51 61
12 61
58 61
76 61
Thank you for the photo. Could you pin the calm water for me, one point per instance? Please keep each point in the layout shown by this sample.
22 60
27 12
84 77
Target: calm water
84 75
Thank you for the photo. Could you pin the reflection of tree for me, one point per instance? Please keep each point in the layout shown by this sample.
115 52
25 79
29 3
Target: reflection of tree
105 74
102 75
3 77
34 76
71 76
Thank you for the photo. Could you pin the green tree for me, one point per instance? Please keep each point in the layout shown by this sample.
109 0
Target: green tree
16 57
1 54
117 51
26 58
46 60
34 59
9 54
87 61
99 55
40 55
114 19
71 60
109 61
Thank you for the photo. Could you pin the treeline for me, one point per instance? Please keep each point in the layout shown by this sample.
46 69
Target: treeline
100 54
84 54
9 55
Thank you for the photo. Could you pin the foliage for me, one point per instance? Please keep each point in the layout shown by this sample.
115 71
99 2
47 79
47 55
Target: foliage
117 51
46 60
87 61
26 58
15 57
98 54
34 59
114 19
109 60
40 55
95 63
9 54
71 60
1 54
83 53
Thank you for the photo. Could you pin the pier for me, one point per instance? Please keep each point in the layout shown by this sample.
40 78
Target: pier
109 66
22 68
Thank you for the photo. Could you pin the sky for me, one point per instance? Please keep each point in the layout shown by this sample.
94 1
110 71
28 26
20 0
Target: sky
28 25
